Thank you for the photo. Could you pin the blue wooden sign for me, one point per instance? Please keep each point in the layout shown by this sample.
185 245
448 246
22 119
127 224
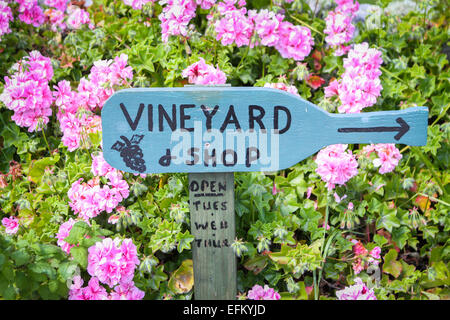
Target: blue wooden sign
231 129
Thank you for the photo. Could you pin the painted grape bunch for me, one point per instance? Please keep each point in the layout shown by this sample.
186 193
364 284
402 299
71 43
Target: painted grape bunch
131 153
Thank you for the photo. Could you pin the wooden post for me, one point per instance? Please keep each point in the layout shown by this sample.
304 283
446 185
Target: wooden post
211 202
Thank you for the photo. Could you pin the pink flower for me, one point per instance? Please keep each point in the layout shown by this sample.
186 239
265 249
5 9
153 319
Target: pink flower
99 166
358 291
375 252
282 86
137 4
61 5
5 17
388 157
336 165
260 293
63 232
348 6
375 257
94 291
339 199
55 19
31 12
339 30
175 17
202 73
308 192
358 248
11 224
77 17
206 4
350 206
112 261
113 219
127 291
360 85
234 27
267 25
27 92
295 41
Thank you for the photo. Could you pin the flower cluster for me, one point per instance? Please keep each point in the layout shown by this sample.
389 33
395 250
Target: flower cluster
235 26
364 258
113 261
75 116
11 225
90 199
137 4
282 86
31 12
260 293
27 92
202 73
336 165
77 17
94 291
339 30
5 17
388 156
55 12
60 5
360 85
175 17
206 4
358 291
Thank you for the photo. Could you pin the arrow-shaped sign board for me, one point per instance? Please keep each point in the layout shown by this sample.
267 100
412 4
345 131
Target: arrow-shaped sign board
231 129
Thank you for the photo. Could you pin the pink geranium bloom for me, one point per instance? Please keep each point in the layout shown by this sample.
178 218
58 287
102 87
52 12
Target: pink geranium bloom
260 293
282 86
358 291
388 157
202 73
112 261
336 165
11 224
5 17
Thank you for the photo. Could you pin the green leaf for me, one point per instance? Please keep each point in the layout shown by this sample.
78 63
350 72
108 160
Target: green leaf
20 257
78 232
37 167
388 220
67 270
182 279
43 268
184 241
391 265
256 264
80 255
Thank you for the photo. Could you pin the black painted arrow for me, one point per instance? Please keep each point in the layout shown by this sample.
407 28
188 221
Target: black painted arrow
404 128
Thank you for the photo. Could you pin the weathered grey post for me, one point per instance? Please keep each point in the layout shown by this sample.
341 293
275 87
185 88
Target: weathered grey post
211 197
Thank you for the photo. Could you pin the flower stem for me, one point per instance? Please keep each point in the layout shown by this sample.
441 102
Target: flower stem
429 165
306 25
45 139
